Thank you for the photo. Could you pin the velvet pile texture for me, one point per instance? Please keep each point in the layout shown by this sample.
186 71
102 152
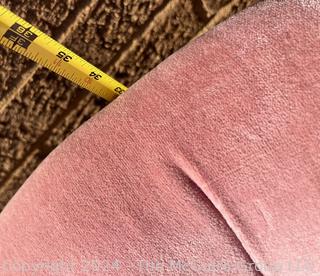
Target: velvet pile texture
209 165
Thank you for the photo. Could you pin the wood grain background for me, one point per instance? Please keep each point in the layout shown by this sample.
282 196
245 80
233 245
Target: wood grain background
126 38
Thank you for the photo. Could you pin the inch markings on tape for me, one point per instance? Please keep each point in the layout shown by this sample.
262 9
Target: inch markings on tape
22 37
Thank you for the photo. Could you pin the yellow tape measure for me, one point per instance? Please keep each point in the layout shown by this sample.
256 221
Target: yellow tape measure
22 37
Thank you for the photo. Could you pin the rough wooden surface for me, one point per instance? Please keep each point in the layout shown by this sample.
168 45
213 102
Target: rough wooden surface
126 38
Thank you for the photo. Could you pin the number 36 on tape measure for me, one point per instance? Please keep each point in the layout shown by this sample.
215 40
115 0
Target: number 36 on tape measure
22 37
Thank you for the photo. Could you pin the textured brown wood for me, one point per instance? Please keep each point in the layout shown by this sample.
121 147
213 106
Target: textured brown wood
126 38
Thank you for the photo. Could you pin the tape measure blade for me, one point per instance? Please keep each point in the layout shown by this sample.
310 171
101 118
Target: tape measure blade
28 41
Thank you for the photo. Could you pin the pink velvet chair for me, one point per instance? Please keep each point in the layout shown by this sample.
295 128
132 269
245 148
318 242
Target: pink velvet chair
208 165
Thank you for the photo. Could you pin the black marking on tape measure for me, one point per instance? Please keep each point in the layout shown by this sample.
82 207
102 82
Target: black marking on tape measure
20 35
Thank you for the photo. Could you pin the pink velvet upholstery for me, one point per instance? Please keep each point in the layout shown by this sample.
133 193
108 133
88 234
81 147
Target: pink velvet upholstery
209 163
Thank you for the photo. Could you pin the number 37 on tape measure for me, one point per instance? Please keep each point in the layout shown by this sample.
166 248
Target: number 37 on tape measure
20 36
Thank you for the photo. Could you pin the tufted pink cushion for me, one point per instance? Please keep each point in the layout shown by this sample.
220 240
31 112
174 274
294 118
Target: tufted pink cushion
207 164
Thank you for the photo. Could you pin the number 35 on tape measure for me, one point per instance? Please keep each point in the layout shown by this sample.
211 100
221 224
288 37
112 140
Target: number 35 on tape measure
22 37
